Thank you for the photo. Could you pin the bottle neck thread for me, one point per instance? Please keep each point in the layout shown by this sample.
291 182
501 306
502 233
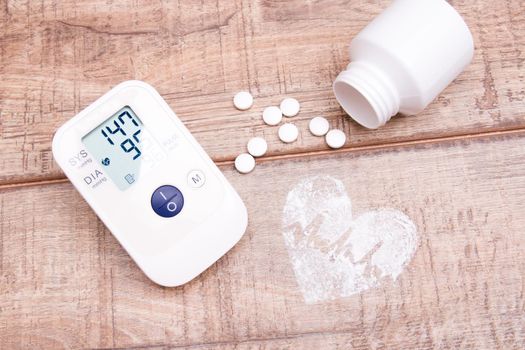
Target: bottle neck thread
366 94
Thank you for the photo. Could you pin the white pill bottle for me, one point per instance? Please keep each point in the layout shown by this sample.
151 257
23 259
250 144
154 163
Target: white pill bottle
402 60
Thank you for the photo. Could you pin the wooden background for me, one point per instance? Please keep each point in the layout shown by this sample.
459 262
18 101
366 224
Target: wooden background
458 170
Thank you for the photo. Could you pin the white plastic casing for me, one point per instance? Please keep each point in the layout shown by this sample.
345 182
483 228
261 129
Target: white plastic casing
402 60
170 251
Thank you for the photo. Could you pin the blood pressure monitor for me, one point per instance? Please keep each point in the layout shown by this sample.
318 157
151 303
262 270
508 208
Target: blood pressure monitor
151 183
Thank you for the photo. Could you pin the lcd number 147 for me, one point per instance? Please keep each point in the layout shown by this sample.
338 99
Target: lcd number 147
129 145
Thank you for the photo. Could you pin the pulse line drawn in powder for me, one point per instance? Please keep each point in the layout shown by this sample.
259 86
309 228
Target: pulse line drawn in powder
335 255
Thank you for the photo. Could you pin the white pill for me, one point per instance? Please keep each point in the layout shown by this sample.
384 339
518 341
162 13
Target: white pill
244 163
243 100
257 146
290 107
272 115
319 126
335 138
288 133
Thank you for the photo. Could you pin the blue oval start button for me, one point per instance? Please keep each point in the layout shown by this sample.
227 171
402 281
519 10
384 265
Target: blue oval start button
167 201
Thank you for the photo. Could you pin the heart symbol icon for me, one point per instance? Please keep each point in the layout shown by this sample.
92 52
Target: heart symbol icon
334 255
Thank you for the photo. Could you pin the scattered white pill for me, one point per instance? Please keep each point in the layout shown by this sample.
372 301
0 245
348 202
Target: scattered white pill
290 107
288 133
335 138
257 146
319 126
244 163
243 100
272 115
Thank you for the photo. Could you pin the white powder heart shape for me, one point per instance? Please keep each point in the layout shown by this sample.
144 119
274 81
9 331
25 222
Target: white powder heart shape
334 255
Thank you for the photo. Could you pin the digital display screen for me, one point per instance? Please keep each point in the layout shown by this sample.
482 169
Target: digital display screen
116 145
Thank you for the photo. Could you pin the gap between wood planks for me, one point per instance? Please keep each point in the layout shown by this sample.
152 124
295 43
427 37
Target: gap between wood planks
291 336
385 146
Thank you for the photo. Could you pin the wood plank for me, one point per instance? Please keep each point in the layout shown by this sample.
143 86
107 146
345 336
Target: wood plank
58 57
55 282
65 282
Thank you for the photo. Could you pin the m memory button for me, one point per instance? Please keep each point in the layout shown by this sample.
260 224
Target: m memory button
196 178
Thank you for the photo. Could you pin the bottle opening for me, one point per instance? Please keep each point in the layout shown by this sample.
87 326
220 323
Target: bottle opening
356 105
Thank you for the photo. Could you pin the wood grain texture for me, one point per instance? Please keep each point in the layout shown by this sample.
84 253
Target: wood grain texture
66 283
56 57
